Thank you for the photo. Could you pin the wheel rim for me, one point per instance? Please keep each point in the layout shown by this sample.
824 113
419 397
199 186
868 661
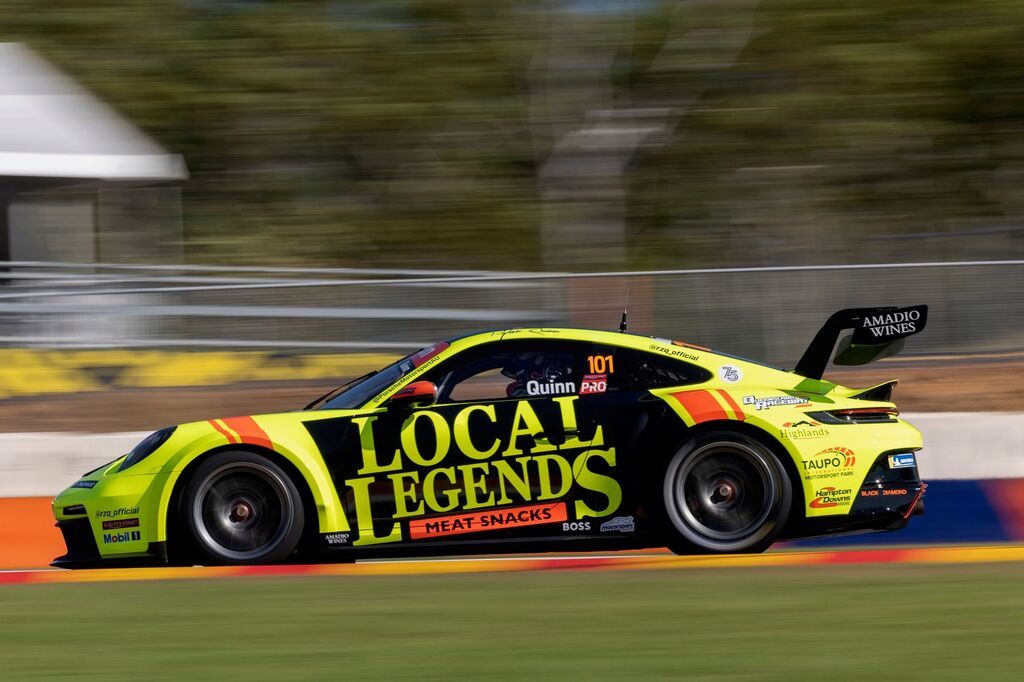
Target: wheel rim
724 493
242 511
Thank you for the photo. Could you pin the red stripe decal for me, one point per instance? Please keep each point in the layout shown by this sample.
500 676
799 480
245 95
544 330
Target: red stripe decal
275 570
15 577
732 404
224 432
866 556
249 431
701 405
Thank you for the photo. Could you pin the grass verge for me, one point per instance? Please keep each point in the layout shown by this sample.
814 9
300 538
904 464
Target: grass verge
821 623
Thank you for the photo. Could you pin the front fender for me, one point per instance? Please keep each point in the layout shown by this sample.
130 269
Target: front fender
278 435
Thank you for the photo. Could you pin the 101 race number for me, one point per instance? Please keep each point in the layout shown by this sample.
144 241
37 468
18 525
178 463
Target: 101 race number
601 364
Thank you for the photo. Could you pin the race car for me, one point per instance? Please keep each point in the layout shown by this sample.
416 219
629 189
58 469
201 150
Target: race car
531 439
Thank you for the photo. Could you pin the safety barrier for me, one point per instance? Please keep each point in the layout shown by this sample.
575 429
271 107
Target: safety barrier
769 313
27 372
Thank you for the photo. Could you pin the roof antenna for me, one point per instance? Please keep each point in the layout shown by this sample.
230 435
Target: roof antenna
625 308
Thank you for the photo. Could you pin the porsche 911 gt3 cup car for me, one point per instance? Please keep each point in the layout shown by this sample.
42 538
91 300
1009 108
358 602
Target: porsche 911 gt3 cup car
523 439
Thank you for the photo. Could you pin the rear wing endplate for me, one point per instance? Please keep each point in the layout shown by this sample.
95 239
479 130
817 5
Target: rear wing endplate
877 333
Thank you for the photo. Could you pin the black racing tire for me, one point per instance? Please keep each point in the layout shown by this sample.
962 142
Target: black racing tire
241 508
724 493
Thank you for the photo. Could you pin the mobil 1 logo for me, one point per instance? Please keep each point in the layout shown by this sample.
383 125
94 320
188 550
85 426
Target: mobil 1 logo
884 326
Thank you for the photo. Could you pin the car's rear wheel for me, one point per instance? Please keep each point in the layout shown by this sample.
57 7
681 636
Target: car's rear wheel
724 493
241 508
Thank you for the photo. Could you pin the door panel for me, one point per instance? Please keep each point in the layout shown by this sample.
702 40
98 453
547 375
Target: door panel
441 471
572 461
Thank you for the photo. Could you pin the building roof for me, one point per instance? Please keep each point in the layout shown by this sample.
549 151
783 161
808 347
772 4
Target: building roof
52 127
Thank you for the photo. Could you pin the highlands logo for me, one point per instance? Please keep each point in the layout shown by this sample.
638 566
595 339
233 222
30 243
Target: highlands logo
803 429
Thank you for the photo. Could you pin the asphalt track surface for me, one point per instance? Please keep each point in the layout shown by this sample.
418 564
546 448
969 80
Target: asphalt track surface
615 562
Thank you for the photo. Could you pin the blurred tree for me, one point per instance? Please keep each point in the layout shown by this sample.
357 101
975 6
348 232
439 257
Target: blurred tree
567 133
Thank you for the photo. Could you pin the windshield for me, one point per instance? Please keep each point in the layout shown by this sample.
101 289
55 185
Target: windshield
362 392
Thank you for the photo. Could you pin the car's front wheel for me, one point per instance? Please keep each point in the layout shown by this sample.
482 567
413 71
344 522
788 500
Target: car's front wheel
724 493
240 508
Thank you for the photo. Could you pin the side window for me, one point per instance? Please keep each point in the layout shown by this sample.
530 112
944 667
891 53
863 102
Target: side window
486 384
647 370
517 369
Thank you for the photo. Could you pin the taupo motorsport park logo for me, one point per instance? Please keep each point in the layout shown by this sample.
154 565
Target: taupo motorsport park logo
830 463
471 468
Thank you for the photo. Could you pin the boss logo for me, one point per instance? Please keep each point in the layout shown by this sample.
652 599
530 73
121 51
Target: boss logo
572 526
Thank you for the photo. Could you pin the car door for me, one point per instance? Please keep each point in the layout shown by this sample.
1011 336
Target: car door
489 459
513 428
639 432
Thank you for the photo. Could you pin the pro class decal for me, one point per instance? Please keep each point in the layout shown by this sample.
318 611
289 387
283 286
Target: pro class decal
594 383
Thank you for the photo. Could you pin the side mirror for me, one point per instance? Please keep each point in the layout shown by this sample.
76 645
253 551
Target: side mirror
416 394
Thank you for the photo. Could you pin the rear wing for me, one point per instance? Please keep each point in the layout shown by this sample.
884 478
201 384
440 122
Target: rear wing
877 333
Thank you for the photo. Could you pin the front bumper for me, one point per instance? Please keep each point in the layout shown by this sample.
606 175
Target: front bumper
83 552
113 523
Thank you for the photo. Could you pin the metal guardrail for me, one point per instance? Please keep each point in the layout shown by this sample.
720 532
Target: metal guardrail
764 312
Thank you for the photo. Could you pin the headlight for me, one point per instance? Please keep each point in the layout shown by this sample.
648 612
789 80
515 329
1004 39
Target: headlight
147 447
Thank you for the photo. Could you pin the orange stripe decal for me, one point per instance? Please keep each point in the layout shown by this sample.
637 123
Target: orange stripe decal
701 405
249 431
732 404
215 423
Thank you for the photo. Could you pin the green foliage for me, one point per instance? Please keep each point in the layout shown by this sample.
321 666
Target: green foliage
414 132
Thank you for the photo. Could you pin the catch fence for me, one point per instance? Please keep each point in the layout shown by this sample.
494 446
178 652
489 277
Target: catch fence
768 313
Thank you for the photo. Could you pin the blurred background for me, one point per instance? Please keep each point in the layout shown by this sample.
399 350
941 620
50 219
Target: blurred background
215 207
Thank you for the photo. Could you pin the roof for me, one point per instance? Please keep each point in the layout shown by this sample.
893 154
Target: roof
679 349
50 126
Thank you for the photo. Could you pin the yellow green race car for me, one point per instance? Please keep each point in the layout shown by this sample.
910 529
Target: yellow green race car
523 440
